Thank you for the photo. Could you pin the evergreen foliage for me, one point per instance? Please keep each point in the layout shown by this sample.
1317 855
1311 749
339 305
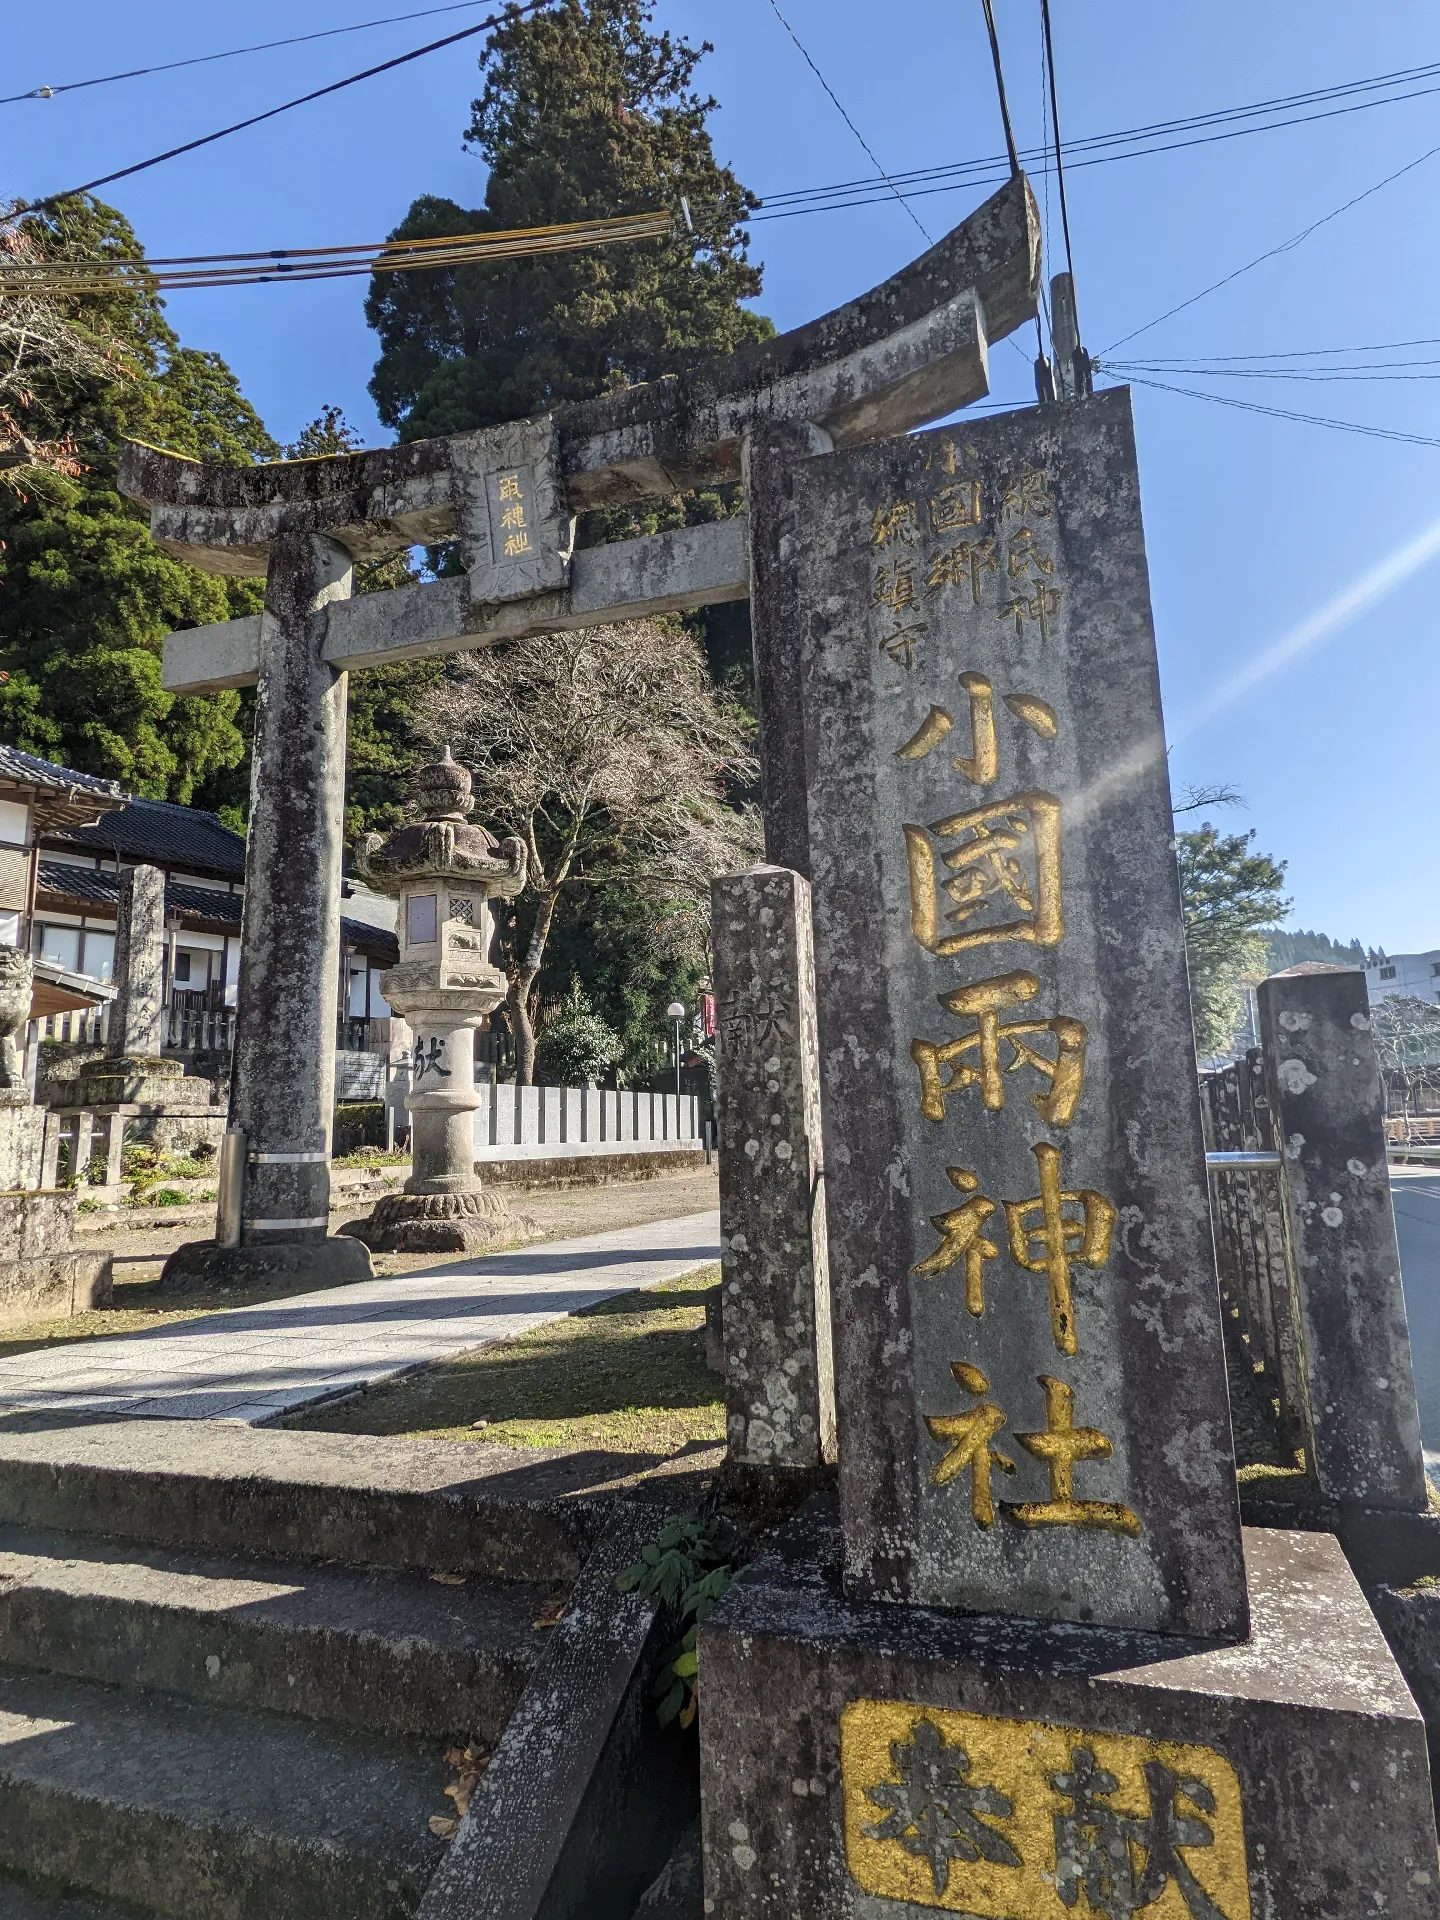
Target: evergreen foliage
1228 893
577 1045
1286 949
86 598
585 114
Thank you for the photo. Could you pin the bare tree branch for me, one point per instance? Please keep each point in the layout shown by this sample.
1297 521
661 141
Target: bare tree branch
610 752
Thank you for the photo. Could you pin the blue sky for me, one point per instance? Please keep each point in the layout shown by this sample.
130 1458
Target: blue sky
1294 569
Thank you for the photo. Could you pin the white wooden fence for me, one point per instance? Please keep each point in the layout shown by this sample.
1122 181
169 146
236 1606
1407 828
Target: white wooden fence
546 1123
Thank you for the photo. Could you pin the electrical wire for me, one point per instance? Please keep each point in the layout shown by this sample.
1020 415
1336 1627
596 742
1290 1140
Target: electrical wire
1099 149
66 278
232 53
1271 252
1301 353
319 93
1283 413
1049 47
835 101
1013 156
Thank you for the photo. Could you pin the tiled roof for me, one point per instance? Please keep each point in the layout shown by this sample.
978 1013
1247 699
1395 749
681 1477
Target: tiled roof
91 886
164 834
15 765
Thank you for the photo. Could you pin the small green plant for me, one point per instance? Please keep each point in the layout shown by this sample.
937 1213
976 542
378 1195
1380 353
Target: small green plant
87 1206
687 1566
166 1197
96 1170
366 1157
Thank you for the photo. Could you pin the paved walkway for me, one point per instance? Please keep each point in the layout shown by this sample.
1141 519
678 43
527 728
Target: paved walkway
253 1363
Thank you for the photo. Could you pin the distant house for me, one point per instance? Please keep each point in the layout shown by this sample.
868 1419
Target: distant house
67 836
1414 974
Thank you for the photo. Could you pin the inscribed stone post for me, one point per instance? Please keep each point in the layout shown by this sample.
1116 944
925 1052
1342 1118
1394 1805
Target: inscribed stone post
1029 1370
1079 1716
283 1080
138 1007
1325 1093
780 1406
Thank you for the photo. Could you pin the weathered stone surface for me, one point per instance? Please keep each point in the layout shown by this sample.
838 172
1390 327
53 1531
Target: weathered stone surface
586 1794
22 1136
772 457
425 1505
442 1223
910 350
1013 1220
138 1007
385 1652
780 1390
283 1078
1305 1737
17 980
200 1264
623 580
1328 1107
42 1274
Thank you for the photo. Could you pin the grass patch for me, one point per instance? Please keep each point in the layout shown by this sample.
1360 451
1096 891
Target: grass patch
626 1376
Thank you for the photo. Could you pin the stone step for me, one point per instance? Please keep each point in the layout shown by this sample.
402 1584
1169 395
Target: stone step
383 1652
205 1813
433 1506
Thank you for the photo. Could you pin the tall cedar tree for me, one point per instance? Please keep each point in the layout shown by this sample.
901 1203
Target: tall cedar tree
585 114
86 598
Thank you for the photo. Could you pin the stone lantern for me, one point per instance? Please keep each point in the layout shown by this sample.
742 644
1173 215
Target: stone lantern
446 870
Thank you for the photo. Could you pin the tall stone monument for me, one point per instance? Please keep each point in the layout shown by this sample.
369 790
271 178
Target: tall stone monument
1033 1670
141 1085
445 870
775 1278
22 1124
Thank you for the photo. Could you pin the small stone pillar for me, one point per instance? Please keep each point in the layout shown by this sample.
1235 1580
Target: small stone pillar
775 1286
1325 1093
138 1010
163 1102
21 1122
445 872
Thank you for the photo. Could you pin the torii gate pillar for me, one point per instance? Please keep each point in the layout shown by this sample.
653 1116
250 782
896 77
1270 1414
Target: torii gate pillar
906 353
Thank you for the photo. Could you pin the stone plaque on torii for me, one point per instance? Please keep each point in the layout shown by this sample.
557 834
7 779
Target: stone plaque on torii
910 351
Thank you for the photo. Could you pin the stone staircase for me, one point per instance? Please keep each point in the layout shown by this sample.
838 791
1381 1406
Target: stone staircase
232 1662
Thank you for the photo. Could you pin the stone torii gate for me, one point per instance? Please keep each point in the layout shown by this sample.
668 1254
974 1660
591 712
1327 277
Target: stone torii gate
908 352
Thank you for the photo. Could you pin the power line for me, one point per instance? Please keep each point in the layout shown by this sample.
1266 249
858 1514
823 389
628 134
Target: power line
1013 157
848 121
1093 150
66 278
335 86
232 53
1296 353
1282 413
1284 247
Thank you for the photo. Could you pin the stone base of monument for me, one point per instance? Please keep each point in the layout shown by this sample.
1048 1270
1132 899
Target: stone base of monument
173 1110
871 1762
202 1266
442 1223
42 1275
22 1134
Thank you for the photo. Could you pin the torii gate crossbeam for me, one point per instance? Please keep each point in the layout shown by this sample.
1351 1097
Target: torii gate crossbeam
910 351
